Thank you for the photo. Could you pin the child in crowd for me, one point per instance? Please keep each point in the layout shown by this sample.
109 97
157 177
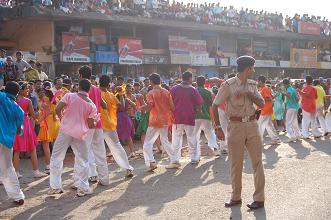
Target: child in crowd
125 127
11 119
28 141
43 135
53 123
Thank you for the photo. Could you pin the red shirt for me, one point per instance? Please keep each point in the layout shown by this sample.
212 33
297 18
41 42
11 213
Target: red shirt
327 90
309 100
266 93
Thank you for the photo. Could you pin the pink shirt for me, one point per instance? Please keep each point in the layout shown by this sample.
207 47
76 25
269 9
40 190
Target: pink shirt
95 96
76 113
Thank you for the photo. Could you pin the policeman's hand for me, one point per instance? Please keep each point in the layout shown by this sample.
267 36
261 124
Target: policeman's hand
220 134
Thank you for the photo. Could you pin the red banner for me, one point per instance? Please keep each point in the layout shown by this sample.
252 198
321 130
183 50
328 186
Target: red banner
130 50
309 28
197 46
178 43
75 48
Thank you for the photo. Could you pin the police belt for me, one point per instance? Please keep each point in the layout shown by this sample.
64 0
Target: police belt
243 119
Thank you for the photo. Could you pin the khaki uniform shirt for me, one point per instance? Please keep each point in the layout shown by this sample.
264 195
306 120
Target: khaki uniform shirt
237 106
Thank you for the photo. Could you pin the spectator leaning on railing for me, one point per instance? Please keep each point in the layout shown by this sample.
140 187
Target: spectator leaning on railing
201 13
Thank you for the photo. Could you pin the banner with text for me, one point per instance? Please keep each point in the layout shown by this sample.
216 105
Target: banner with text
130 51
303 58
155 59
75 48
309 28
191 52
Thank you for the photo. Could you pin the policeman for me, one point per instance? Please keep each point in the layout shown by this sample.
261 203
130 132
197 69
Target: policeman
240 94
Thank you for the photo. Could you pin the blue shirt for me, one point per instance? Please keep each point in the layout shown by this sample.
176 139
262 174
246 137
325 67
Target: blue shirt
293 101
11 118
2 69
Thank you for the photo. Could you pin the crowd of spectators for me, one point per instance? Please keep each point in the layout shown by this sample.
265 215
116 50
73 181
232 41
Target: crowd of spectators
207 13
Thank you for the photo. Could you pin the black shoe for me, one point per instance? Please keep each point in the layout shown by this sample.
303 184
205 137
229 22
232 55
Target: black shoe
19 202
255 205
232 203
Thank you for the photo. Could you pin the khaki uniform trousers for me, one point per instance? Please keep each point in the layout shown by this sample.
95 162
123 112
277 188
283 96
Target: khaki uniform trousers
241 135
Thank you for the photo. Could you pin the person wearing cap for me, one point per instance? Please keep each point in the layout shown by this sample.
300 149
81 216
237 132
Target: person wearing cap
240 95
22 65
42 75
224 122
265 119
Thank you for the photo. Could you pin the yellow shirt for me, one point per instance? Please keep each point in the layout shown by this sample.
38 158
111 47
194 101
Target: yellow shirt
31 75
109 115
320 96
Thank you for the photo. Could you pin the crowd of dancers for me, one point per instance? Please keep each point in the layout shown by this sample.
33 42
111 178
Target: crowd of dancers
92 113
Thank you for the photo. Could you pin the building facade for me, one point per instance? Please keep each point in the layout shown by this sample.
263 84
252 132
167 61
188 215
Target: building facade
136 46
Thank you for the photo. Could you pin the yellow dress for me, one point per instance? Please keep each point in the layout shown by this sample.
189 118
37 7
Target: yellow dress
53 124
43 134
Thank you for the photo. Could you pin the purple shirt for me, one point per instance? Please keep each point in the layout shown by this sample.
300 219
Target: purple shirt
186 99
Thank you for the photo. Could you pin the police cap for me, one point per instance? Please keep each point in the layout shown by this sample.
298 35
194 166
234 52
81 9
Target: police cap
245 61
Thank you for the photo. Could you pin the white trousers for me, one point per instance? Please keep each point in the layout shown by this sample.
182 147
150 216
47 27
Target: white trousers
151 135
224 124
265 123
292 124
177 142
80 149
309 119
8 175
320 118
97 157
328 122
207 127
117 150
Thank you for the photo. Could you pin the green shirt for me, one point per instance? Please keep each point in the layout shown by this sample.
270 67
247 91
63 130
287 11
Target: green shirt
207 102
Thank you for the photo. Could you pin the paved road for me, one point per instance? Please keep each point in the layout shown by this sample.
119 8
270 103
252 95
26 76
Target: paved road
298 186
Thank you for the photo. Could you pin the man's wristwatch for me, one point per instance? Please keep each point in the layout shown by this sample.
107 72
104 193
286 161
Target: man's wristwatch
218 127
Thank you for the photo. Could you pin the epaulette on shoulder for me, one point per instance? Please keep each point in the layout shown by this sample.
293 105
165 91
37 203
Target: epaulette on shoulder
230 81
253 82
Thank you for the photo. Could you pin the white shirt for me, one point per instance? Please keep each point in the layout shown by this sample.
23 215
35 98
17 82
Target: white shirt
42 76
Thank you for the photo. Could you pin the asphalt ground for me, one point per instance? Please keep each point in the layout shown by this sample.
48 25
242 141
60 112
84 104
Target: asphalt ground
298 186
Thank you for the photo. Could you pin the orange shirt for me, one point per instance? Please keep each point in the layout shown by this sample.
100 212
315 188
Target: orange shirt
160 115
308 102
266 93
